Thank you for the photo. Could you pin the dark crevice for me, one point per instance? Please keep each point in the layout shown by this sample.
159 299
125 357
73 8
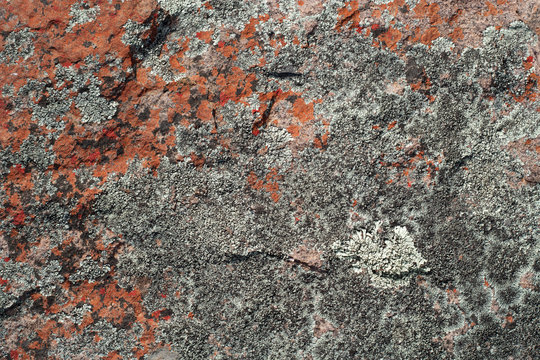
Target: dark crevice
284 74
308 266
237 258
266 115
401 275
9 311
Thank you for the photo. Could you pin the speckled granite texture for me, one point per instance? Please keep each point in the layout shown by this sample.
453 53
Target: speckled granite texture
274 179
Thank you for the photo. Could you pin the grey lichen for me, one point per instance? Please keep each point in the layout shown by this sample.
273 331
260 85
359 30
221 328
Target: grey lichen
221 242
90 270
18 44
113 338
50 109
163 354
94 108
21 278
387 258
179 6
49 103
81 13
6 299
49 278
34 152
76 315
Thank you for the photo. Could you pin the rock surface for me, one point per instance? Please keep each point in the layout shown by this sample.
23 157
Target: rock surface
188 179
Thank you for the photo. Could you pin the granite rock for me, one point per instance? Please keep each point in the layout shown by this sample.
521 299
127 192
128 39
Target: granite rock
279 179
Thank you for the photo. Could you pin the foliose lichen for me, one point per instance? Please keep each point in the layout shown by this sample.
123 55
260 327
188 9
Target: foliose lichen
387 258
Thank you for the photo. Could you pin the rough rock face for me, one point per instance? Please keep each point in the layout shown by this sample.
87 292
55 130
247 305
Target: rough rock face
277 179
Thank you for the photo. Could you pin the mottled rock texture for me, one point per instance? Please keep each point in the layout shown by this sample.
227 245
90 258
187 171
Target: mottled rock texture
274 179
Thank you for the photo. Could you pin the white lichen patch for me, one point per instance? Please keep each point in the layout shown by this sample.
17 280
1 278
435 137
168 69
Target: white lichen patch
81 13
179 6
18 44
389 259
94 108
90 270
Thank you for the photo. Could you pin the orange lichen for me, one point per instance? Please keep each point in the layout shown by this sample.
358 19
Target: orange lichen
429 35
302 111
269 184
294 130
391 38
492 9
348 14
205 36
205 110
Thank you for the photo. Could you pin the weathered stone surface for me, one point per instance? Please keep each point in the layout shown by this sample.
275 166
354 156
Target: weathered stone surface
269 179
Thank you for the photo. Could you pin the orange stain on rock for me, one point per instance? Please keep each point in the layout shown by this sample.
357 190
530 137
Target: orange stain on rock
269 184
492 9
457 34
302 111
294 130
348 14
205 111
205 36
236 81
429 35
322 141
247 35
391 38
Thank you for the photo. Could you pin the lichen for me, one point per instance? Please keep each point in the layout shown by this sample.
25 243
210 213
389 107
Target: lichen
81 13
387 258
94 108
18 44
180 6
90 270
147 212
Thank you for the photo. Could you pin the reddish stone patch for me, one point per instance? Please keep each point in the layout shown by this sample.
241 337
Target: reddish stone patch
323 326
528 152
309 256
